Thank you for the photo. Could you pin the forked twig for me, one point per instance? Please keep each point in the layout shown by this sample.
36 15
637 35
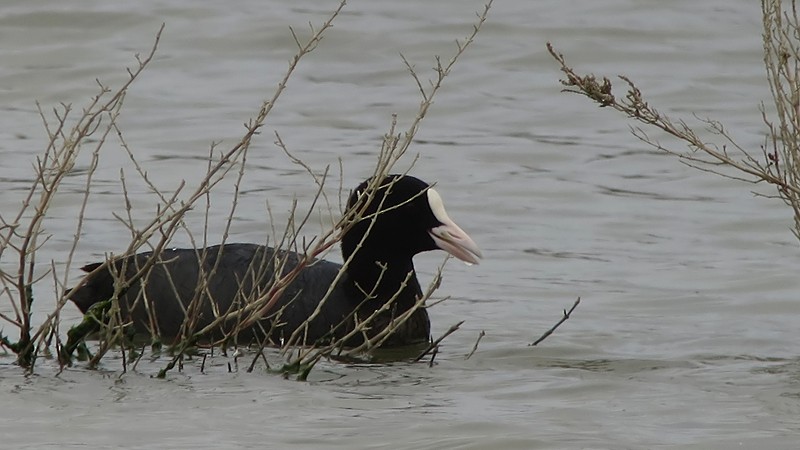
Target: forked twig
558 324
776 162
435 344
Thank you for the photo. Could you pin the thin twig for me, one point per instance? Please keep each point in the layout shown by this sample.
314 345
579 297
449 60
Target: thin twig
433 356
475 347
563 319
435 343
778 160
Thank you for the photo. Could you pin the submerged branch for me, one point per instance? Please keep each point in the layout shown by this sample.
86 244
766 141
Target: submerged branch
109 320
564 318
475 347
435 344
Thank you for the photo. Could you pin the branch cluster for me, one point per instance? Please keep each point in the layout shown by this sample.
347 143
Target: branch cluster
777 162
23 234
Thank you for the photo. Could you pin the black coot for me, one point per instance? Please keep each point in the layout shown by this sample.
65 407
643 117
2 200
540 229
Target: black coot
412 220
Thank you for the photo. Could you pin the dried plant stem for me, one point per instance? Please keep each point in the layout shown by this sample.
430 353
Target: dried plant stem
777 162
564 318
108 320
394 147
475 347
57 161
435 344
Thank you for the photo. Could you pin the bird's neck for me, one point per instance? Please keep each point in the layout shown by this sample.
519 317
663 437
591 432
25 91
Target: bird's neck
379 280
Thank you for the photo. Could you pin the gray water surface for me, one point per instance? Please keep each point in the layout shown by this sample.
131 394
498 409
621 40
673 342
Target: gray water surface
686 336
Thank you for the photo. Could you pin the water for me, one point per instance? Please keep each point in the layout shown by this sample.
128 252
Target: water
686 335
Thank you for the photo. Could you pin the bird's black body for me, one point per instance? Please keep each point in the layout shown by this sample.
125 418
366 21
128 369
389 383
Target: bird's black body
380 271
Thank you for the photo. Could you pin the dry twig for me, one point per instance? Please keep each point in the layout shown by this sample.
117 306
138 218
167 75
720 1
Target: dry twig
475 347
435 344
777 162
558 324
99 119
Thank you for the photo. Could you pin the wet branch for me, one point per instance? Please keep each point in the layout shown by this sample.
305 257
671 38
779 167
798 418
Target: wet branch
475 347
435 344
558 324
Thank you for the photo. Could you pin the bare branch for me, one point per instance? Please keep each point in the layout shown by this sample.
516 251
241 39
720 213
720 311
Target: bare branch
558 324
435 344
777 163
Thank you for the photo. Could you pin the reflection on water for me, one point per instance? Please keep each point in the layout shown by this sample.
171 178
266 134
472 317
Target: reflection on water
651 195
567 255
686 333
